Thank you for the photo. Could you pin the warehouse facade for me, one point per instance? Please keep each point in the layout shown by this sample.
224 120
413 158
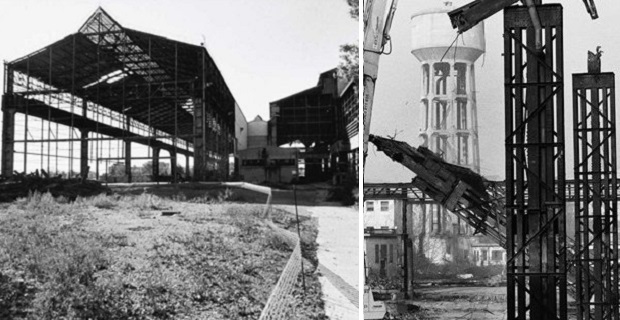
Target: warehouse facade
107 95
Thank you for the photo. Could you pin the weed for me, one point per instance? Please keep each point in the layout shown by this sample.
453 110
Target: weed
42 203
277 241
101 201
146 201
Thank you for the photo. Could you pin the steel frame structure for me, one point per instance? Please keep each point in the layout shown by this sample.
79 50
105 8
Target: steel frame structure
596 203
106 90
534 111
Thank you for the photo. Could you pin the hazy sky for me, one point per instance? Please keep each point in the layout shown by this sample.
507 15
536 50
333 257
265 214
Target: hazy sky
396 104
266 49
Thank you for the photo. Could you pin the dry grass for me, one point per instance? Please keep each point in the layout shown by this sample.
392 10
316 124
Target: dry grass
116 257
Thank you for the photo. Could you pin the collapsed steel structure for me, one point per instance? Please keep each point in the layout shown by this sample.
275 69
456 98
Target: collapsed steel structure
86 100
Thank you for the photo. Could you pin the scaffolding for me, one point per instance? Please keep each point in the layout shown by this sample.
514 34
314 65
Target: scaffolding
107 95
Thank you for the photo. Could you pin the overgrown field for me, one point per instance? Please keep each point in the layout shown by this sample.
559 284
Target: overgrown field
118 257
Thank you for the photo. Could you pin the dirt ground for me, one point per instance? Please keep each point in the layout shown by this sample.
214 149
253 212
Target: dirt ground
453 302
338 255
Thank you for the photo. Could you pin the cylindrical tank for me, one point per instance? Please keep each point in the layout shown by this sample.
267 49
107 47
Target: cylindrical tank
257 133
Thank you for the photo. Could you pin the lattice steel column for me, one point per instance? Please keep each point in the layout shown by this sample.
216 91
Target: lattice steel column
596 196
536 235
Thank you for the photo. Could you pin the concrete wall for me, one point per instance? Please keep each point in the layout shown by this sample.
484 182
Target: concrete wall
257 133
378 218
241 128
282 174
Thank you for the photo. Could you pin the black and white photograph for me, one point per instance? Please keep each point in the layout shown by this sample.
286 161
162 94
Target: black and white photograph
180 159
489 159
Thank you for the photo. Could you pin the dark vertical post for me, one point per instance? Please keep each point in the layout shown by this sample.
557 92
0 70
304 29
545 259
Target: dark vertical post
173 164
536 235
128 159
8 123
596 214
176 108
155 163
405 238
187 175
83 153
199 127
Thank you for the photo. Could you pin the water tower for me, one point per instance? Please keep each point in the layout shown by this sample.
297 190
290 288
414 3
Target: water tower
448 96
450 123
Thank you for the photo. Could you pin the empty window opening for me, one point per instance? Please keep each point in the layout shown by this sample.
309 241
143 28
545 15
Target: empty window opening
370 206
385 206
426 78
463 148
441 114
426 114
461 114
441 71
441 142
461 79
435 218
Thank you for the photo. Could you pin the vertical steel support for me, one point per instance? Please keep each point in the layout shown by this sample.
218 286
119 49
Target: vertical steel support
155 163
596 196
84 168
536 235
405 238
127 143
199 127
176 109
8 123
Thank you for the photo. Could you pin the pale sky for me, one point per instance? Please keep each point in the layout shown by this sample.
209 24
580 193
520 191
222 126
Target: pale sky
265 49
396 104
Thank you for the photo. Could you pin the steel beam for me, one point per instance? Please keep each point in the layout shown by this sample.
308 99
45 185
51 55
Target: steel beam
596 212
536 235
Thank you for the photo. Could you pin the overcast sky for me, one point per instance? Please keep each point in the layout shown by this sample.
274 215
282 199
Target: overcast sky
396 104
266 49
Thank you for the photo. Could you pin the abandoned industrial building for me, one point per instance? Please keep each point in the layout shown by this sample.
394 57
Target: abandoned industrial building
100 100
313 133
108 94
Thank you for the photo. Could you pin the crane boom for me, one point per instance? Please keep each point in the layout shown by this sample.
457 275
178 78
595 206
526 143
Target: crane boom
467 16
377 24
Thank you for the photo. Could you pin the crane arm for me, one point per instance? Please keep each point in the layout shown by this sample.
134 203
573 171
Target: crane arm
467 16
377 24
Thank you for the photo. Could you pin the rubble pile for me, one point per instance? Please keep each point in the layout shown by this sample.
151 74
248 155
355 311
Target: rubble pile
21 184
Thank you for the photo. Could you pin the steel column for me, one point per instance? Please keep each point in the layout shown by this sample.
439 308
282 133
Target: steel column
536 235
596 192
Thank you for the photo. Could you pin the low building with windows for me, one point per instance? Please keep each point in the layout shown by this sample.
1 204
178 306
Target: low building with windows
487 254
431 232
383 238
383 252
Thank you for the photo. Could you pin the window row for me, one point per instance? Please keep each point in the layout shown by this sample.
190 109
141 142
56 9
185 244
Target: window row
437 117
439 78
370 206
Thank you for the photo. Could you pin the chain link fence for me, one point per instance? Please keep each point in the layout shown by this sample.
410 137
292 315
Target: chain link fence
281 301
280 304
